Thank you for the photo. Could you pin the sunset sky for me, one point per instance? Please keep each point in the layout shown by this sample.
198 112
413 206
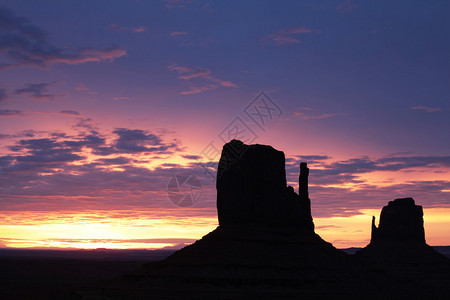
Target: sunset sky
102 103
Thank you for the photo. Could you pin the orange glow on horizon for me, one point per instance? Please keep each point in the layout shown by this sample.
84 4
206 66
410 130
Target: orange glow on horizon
133 231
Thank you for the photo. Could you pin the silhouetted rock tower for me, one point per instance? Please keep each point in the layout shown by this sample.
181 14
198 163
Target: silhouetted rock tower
400 220
400 236
252 189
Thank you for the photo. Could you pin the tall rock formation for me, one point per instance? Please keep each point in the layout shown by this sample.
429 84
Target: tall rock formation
400 220
251 188
400 235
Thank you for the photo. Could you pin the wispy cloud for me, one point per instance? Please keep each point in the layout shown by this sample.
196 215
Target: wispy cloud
207 81
304 116
3 95
24 44
117 28
287 35
427 109
38 91
122 98
346 7
176 33
170 4
69 112
81 87
307 113
10 112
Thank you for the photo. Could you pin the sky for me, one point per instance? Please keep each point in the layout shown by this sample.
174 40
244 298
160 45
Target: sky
113 114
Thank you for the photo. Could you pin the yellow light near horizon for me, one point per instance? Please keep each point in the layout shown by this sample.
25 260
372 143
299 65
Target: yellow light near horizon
90 231
354 231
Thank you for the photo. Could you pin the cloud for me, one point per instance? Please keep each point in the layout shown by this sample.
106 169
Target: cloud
24 133
96 171
118 28
285 36
81 87
346 7
306 113
24 44
136 140
139 29
192 157
176 33
39 152
10 112
38 91
86 124
312 157
3 95
123 98
170 4
115 161
52 173
304 116
206 80
70 112
425 108
199 89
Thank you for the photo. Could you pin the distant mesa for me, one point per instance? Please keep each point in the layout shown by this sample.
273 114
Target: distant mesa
400 235
400 220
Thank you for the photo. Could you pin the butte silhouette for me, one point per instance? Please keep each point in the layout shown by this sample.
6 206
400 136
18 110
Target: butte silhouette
265 246
400 236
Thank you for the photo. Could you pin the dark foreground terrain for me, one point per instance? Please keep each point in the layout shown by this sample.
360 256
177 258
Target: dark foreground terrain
54 274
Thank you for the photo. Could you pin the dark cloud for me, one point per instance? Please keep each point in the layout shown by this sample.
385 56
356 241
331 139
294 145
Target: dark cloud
25 133
24 44
192 157
85 124
91 141
397 163
43 151
115 161
3 95
38 91
136 140
10 112
70 112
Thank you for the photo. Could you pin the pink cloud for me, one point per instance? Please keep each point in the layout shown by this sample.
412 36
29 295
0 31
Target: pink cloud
139 29
209 82
175 33
228 84
284 36
346 7
305 116
81 87
177 3
427 109
199 89
117 28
